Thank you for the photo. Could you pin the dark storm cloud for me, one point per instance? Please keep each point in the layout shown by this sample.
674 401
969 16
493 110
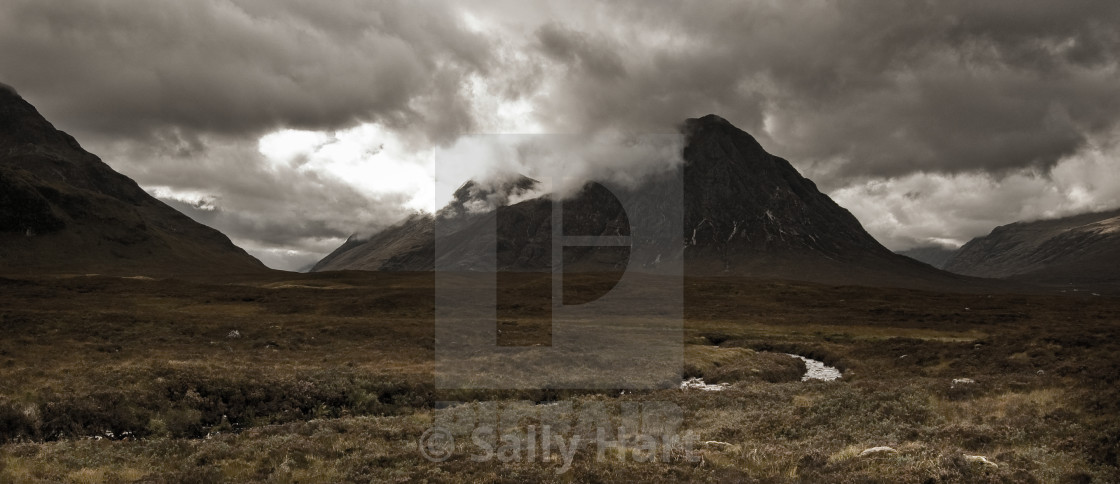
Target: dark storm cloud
240 68
176 93
265 206
898 109
596 57
862 88
892 106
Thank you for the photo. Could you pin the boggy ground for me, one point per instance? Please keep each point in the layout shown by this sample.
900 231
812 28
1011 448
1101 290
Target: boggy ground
328 378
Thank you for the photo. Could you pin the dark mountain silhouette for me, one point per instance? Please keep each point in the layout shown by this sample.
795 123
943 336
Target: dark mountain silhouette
745 213
751 213
1079 249
934 255
62 210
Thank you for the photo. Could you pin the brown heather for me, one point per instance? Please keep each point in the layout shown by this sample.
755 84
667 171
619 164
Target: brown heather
330 380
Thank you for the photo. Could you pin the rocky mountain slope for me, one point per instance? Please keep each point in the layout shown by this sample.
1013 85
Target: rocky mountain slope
746 212
1078 249
410 244
751 213
62 210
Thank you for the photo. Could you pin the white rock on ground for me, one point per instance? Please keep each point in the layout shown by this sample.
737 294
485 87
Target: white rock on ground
980 459
963 381
877 450
699 384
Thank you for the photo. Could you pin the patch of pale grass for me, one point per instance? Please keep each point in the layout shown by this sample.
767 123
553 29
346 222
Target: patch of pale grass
1001 406
711 356
855 332
1053 465
767 461
847 453
88 476
18 470
805 400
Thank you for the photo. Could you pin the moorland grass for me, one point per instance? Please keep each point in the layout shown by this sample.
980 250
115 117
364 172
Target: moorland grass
328 378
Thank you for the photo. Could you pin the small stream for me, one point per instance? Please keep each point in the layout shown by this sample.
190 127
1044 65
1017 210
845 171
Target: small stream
814 370
817 370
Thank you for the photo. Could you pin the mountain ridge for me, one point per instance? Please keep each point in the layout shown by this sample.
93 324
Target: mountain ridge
746 213
1083 248
63 210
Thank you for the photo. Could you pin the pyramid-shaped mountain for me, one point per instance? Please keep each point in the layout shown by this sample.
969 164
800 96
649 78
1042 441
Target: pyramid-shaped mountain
62 210
746 213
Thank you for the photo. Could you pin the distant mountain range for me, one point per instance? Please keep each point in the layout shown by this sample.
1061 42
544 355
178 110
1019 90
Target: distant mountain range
62 210
935 255
746 212
1079 249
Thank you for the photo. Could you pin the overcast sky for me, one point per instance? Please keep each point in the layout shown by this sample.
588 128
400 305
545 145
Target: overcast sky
290 125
